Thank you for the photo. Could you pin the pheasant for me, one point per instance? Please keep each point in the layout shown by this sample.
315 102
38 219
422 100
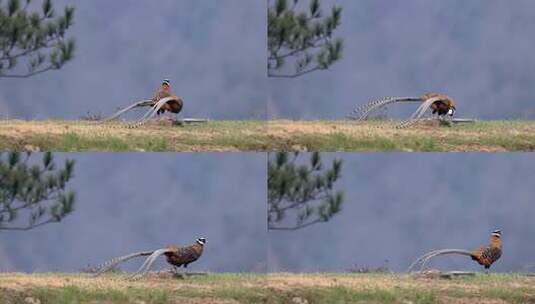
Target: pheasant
440 104
176 256
163 100
485 256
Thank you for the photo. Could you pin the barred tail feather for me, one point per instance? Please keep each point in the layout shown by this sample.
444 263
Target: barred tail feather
362 112
151 113
417 115
142 103
423 260
116 261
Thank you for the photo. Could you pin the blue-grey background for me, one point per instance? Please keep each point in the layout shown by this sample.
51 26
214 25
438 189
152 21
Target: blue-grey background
479 52
213 52
397 207
400 206
132 202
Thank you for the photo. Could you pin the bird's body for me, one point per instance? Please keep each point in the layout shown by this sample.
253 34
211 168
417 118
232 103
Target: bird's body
442 104
174 106
485 256
163 91
182 256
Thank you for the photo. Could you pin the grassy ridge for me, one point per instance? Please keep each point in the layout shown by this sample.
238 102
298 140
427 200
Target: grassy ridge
383 136
276 135
113 136
116 288
272 288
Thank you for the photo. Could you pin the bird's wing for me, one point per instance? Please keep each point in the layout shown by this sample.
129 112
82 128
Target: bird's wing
491 254
188 254
116 261
478 252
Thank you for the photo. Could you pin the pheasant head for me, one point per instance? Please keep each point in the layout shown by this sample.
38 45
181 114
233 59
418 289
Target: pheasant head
201 241
496 238
166 86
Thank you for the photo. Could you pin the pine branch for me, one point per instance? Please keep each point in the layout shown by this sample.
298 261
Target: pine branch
28 227
37 192
302 37
35 38
27 75
303 190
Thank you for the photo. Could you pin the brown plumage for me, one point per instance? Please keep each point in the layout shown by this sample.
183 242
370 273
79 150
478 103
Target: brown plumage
182 256
174 106
440 104
485 256
176 256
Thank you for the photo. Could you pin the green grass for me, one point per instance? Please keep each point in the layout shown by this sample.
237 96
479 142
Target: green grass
343 142
348 295
75 142
259 288
72 294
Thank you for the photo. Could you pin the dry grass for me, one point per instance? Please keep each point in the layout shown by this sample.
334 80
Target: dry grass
487 136
273 288
479 283
402 288
116 288
113 136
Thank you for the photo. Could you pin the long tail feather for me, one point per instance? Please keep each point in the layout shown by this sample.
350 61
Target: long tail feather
419 260
362 112
152 112
423 260
461 252
116 261
141 103
417 115
148 263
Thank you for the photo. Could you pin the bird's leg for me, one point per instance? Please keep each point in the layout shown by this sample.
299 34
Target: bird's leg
178 121
178 273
